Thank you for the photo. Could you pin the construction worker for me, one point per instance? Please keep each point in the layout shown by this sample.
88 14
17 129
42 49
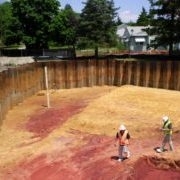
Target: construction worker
123 137
167 130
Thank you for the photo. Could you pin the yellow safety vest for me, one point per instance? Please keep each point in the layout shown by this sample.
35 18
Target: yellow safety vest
168 131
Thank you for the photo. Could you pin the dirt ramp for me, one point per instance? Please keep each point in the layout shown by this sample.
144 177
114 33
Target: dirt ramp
156 168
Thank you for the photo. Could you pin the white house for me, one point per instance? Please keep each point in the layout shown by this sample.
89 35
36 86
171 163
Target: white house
135 38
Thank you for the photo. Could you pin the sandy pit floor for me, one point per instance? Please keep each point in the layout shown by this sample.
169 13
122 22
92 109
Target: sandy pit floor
75 137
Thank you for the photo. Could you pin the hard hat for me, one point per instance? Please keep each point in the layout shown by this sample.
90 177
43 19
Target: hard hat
122 127
165 118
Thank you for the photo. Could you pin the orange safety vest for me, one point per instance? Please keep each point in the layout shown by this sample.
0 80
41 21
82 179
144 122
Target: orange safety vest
123 138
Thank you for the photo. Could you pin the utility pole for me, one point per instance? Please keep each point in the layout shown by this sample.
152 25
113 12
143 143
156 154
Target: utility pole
149 40
130 41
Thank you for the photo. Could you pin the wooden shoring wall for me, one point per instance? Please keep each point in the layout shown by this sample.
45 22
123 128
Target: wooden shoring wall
18 83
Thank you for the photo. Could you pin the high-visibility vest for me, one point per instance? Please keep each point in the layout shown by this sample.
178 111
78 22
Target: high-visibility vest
167 131
123 138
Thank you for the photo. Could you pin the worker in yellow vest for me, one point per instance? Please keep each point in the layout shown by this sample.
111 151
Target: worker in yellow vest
123 136
167 130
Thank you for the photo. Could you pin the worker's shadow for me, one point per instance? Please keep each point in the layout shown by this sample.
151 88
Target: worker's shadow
117 157
114 157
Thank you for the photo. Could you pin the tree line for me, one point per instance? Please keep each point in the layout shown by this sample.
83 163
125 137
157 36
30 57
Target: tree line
40 24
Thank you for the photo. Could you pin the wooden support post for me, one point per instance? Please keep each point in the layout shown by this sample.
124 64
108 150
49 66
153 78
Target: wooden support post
47 88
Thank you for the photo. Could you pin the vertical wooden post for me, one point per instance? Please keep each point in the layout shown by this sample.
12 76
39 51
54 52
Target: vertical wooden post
47 88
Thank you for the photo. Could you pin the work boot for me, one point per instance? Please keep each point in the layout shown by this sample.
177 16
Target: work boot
120 160
159 150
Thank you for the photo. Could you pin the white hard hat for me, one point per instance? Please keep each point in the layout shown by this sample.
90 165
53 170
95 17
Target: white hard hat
165 118
122 127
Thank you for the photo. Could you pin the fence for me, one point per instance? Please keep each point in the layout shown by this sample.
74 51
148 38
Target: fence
65 53
23 81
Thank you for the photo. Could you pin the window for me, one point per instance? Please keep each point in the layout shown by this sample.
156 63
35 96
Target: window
140 40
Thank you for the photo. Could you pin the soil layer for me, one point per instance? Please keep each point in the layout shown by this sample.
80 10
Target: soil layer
75 137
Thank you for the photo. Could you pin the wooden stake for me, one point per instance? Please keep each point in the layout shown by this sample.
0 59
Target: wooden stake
47 88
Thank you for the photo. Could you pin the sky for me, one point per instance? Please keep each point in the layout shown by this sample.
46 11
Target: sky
129 9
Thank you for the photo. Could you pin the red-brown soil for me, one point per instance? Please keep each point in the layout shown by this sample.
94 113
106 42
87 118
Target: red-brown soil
75 137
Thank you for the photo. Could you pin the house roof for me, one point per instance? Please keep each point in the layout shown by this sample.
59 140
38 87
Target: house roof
121 29
137 30
125 30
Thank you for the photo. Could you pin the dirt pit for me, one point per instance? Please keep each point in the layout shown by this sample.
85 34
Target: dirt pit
75 137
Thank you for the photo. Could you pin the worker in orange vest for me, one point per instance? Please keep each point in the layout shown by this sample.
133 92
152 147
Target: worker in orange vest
123 137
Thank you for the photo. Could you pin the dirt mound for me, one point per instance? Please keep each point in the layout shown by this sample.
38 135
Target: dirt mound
154 167
164 163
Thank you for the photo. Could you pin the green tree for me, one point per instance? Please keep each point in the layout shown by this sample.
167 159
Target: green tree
13 32
143 19
65 25
118 21
98 24
5 20
35 18
71 23
165 22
